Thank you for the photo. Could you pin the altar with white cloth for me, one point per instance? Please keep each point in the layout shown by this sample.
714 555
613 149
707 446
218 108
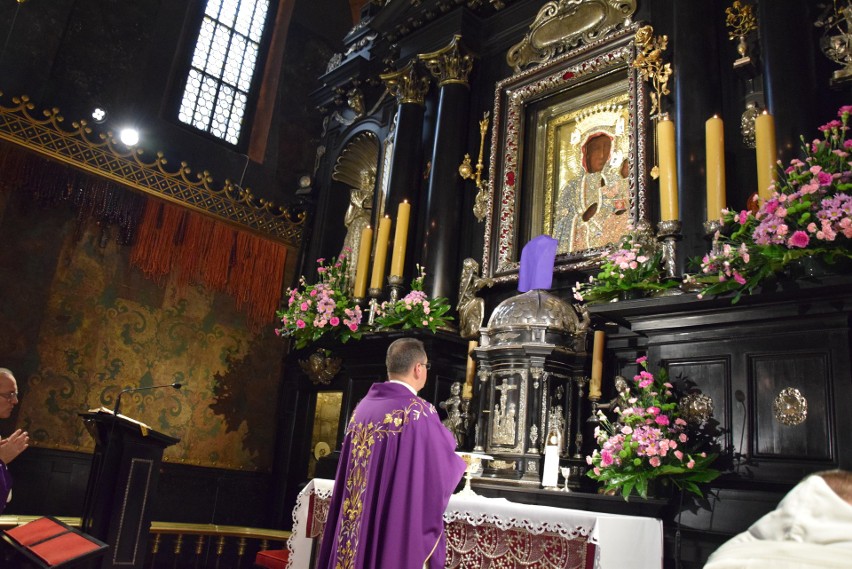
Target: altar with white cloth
485 532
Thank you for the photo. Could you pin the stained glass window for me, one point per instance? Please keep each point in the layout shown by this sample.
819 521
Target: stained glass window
220 75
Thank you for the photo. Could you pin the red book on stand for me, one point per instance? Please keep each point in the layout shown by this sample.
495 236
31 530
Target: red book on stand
47 542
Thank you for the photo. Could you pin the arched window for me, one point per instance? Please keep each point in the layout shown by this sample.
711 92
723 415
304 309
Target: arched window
216 95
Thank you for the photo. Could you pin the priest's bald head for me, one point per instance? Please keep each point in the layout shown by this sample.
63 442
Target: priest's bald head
407 361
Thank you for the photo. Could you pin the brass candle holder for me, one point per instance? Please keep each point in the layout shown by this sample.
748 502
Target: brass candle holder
467 172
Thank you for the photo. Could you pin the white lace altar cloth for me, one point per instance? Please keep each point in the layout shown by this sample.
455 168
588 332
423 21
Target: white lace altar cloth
486 533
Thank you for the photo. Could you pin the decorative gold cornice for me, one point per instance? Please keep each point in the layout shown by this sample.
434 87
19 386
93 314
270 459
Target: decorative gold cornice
407 85
449 65
104 158
563 24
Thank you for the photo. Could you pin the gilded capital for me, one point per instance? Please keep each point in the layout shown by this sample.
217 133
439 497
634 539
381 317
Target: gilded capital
449 64
406 84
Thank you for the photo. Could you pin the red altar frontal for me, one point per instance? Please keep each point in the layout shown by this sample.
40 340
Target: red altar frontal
494 532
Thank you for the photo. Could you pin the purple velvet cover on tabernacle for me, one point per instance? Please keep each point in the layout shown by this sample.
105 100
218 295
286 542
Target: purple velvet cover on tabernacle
5 485
396 489
537 259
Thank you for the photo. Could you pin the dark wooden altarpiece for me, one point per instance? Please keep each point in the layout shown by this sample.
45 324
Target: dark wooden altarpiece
792 336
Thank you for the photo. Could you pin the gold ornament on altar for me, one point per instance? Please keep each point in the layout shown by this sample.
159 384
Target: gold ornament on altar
741 21
790 407
321 367
651 66
467 173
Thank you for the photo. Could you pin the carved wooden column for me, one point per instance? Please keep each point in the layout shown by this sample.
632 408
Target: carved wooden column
438 245
409 88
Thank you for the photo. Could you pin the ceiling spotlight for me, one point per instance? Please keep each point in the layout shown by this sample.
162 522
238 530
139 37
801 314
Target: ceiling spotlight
99 114
129 136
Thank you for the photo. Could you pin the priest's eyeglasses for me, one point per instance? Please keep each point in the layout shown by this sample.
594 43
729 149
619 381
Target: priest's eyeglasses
10 396
427 365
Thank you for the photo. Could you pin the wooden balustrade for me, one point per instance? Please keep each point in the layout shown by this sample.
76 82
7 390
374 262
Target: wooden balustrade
199 546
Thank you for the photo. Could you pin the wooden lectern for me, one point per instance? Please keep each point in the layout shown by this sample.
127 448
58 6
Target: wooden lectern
122 484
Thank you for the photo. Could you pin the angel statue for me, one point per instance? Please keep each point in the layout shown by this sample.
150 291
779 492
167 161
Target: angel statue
357 217
470 307
454 421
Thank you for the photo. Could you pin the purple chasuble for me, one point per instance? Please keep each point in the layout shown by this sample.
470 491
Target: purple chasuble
396 474
5 485
537 259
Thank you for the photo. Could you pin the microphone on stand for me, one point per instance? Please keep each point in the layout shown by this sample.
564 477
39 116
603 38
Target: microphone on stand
174 385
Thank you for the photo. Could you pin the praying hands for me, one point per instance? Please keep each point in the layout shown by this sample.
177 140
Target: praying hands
13 445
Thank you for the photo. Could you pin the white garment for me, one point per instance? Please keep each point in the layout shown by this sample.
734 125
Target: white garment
810 528
411 389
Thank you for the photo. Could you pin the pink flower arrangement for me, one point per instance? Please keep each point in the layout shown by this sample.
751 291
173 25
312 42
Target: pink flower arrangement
414 310
635 265
316 310
648 440
808 215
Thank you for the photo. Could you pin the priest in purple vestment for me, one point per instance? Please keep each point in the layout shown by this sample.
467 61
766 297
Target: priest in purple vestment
396 474
15 443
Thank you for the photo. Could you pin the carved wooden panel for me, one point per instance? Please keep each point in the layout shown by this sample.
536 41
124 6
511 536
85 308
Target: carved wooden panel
808 373
712 376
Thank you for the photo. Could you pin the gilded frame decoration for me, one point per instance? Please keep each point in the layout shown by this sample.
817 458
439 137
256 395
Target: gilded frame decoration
544 118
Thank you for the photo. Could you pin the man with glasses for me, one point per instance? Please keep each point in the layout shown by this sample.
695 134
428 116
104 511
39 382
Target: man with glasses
396 474
15 443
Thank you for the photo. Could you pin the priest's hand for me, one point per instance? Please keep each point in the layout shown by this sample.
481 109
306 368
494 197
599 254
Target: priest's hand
13 445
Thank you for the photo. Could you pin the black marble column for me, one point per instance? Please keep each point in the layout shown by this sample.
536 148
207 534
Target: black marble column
788 41
409 88
439 244
696 93
406 160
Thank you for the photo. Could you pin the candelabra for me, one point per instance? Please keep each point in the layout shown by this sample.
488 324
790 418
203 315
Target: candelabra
467 173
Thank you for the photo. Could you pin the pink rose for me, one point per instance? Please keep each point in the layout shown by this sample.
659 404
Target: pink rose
690 464
300 323
662 420
655 461
679 455
334 321
683 438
